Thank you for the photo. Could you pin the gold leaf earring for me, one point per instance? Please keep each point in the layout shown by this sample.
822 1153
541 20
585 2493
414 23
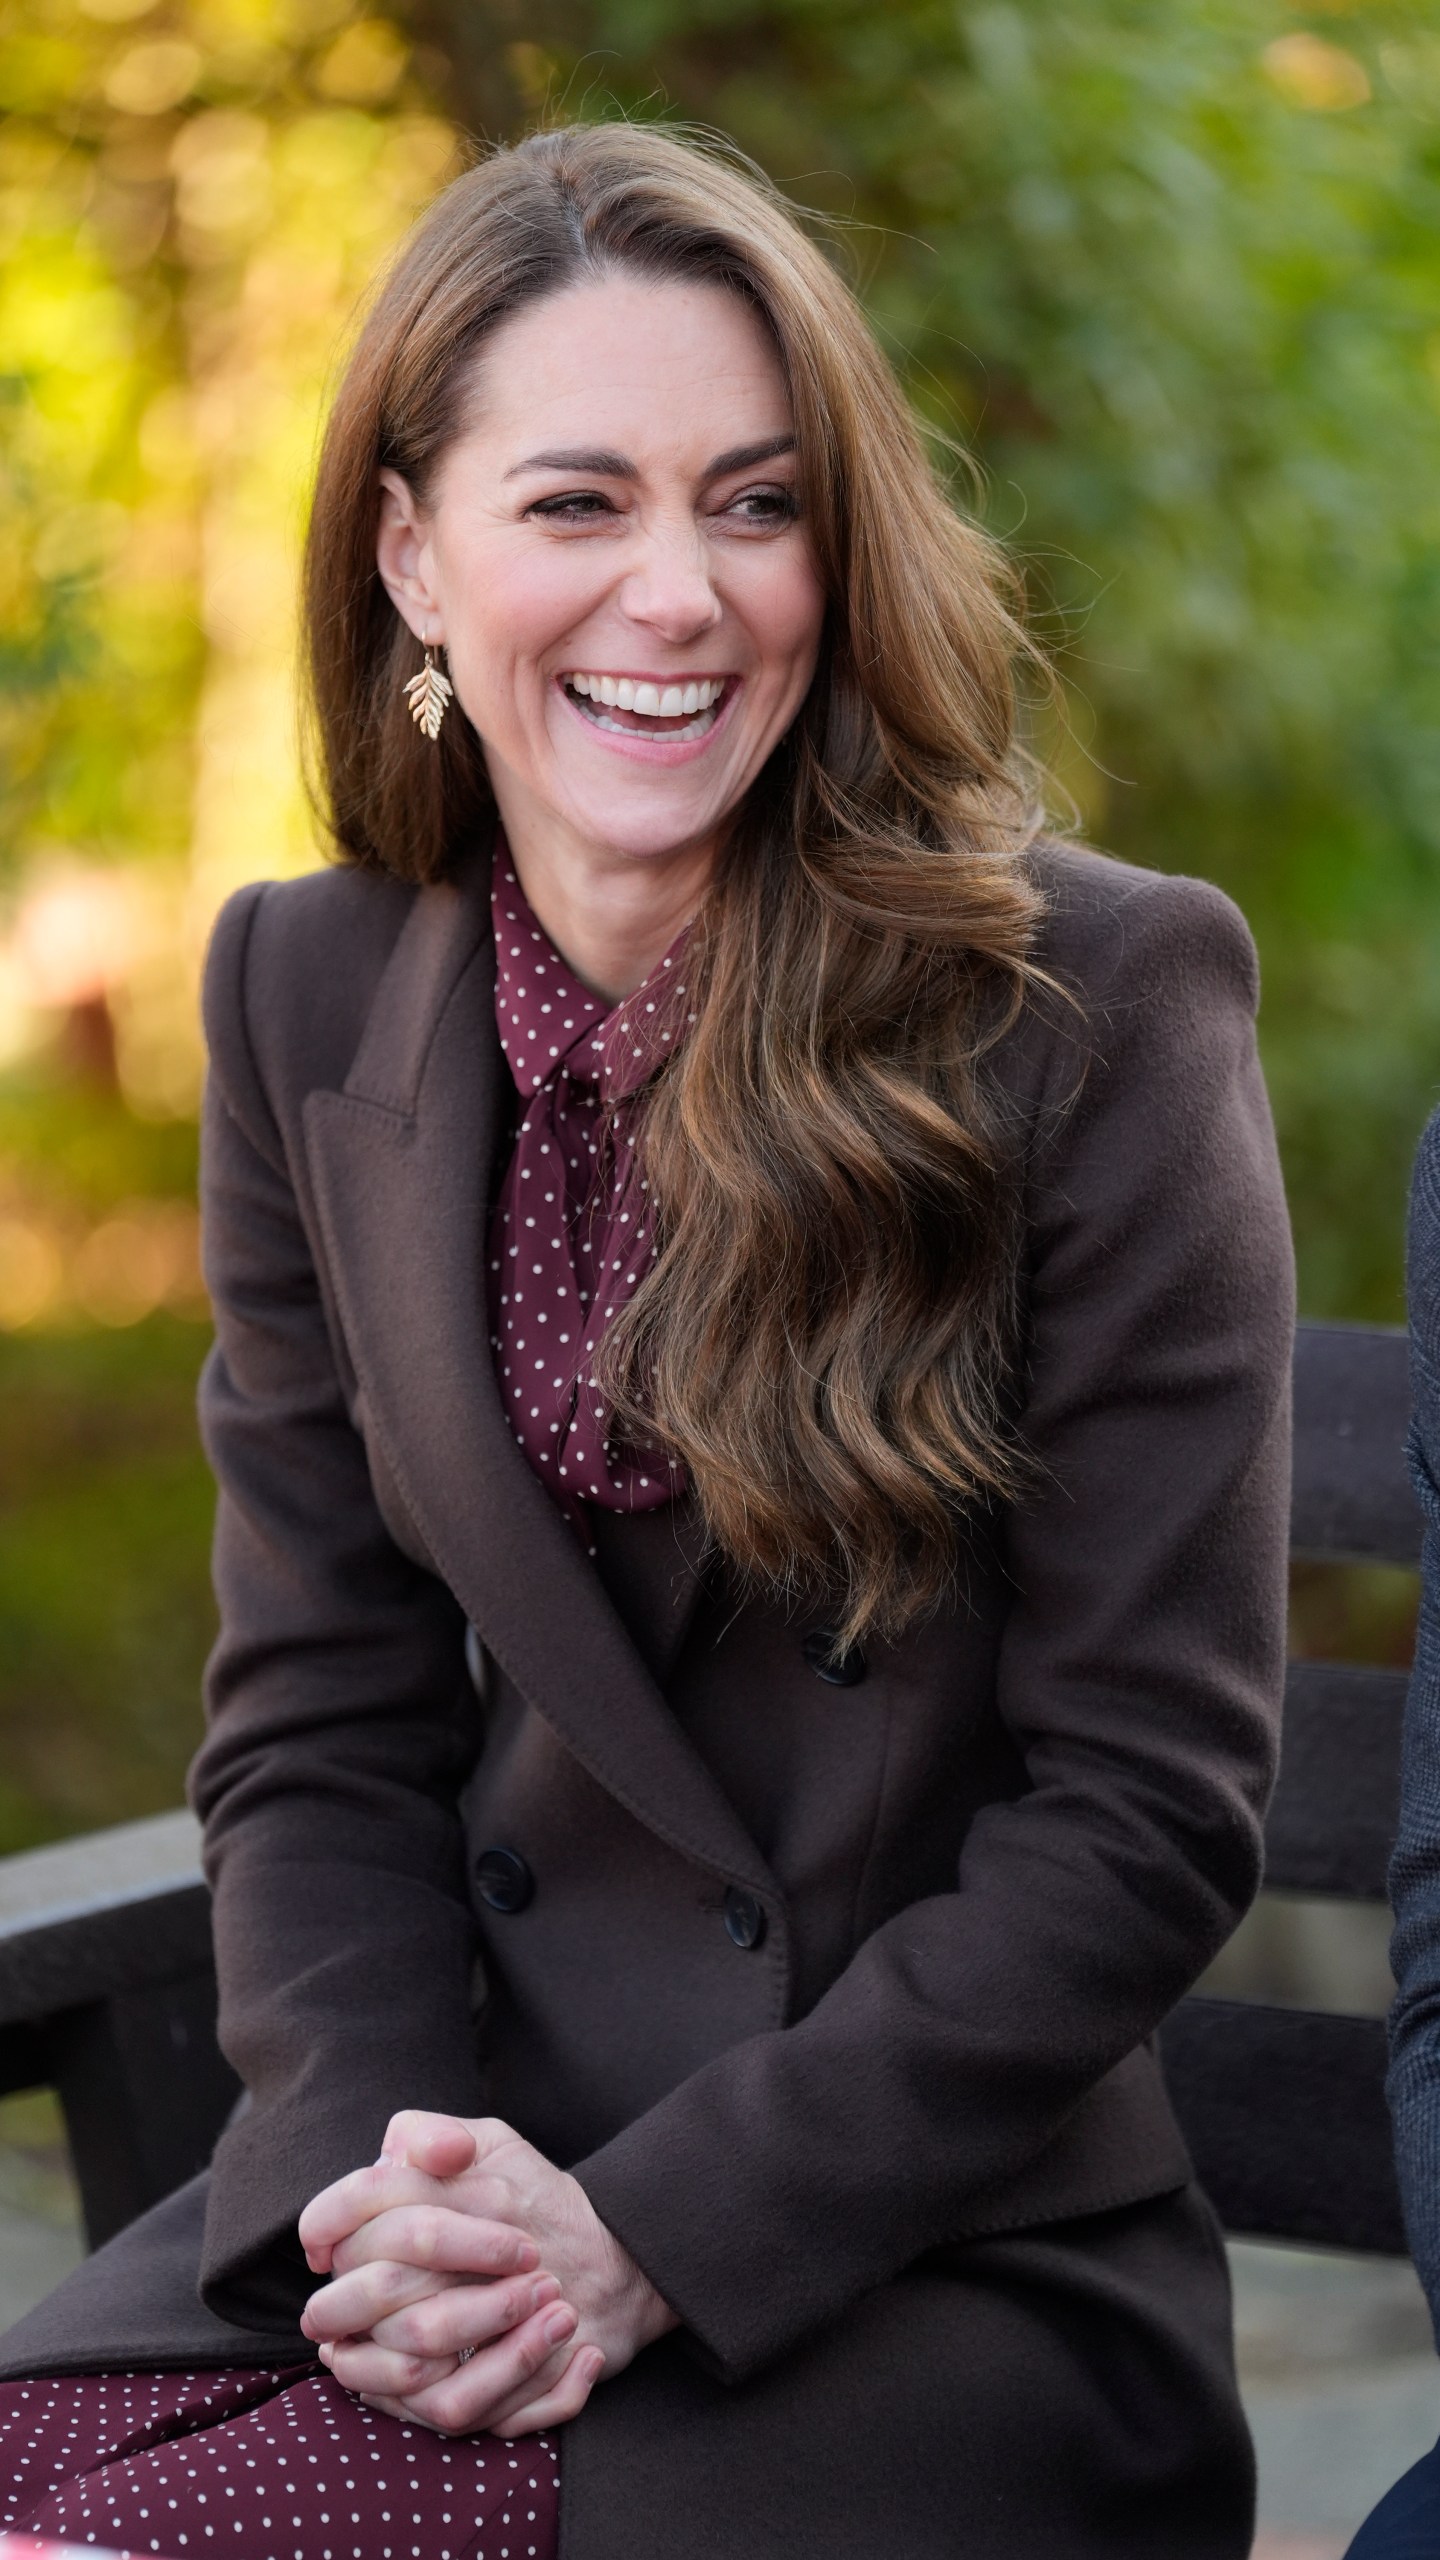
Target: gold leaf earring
428 695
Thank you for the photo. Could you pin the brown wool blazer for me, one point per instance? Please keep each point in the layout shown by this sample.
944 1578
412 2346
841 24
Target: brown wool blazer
973 1881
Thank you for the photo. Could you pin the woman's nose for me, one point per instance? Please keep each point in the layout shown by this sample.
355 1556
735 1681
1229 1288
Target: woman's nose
669 587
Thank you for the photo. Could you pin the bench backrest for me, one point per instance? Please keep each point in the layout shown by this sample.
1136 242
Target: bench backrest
1284 2109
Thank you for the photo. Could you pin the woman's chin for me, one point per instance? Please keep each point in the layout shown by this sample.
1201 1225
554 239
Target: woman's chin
648 826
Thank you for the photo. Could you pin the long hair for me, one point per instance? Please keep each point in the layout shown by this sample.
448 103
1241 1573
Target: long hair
826 1337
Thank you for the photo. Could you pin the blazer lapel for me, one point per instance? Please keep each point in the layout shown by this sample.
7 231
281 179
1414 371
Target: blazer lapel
651 1564
401 1162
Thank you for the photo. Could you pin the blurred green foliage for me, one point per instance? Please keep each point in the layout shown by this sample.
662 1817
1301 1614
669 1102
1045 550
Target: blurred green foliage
105 1610
1170 276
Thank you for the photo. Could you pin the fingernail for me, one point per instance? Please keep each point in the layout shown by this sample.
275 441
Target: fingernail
545 2291
559 2325
324 2354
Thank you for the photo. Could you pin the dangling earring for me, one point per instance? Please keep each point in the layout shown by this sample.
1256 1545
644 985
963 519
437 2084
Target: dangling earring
428 695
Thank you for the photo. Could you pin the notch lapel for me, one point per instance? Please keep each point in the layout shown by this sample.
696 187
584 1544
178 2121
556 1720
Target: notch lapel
400 1162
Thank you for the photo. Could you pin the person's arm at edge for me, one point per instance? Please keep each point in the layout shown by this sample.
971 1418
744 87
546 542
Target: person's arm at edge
1414 2077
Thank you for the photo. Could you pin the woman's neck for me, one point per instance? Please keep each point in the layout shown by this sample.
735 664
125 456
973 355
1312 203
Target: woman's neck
611 916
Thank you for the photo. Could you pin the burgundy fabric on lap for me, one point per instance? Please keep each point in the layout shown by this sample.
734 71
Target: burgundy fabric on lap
572 1232
265 2466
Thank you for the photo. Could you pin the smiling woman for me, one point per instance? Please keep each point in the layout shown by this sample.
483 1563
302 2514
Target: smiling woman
749 1402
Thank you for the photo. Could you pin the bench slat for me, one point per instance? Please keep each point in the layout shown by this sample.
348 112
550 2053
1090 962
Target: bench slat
105 1913
1353 1499
1284 2111
1333 1819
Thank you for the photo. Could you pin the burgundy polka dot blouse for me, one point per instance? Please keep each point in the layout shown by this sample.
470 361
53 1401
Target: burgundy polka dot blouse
251 2465
572 1231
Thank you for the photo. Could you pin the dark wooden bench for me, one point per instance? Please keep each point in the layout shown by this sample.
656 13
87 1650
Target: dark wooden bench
107 1993
1284 2109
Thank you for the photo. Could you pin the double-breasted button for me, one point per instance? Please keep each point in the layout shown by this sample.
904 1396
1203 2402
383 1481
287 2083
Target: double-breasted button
843 1670
744 1918
505 1881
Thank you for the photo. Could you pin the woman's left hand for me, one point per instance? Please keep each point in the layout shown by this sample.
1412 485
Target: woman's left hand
407 2245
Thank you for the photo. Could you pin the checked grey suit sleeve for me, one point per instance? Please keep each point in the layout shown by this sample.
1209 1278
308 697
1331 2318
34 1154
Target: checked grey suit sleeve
1414 2081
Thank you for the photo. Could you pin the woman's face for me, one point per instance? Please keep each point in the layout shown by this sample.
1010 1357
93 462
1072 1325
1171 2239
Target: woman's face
613 558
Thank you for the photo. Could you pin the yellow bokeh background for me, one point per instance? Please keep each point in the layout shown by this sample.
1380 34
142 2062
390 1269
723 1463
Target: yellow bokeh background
189 215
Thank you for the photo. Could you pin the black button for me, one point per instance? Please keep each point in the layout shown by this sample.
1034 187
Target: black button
504 1880
843 1670
744 1918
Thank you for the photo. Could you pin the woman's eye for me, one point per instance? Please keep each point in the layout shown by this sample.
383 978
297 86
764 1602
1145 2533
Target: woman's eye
765 506
573 506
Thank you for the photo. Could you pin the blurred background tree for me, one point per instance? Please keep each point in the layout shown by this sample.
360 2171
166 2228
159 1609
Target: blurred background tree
1170 276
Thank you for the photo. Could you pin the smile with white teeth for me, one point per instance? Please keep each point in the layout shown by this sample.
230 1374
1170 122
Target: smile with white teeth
651 710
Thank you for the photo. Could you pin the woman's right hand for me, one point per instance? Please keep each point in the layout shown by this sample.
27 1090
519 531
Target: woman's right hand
432 2203
467 2289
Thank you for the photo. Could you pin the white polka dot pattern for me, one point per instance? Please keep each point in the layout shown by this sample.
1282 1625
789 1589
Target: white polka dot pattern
264 2466
573 1232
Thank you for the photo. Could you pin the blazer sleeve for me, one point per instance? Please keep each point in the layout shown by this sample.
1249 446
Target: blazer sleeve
1414 2081
1141 1672
340 1727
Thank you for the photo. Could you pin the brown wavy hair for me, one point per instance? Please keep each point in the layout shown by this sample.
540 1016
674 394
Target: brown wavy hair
827 1337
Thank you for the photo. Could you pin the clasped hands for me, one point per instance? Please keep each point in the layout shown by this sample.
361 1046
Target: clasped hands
472 2285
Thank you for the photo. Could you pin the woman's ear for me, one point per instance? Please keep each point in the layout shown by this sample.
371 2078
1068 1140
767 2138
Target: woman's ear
403 557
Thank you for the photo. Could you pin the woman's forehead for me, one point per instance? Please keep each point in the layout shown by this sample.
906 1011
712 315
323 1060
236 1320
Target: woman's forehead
625 363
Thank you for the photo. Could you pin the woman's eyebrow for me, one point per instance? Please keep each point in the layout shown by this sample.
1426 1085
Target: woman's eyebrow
743 457
616 466
601 465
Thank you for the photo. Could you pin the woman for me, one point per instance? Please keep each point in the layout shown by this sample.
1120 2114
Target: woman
710 1212
1406 2524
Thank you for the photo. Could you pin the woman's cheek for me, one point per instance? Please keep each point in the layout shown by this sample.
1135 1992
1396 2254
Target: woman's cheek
500 611
786 614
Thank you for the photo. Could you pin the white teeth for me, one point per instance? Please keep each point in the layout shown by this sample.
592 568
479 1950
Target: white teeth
697 728
652 701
